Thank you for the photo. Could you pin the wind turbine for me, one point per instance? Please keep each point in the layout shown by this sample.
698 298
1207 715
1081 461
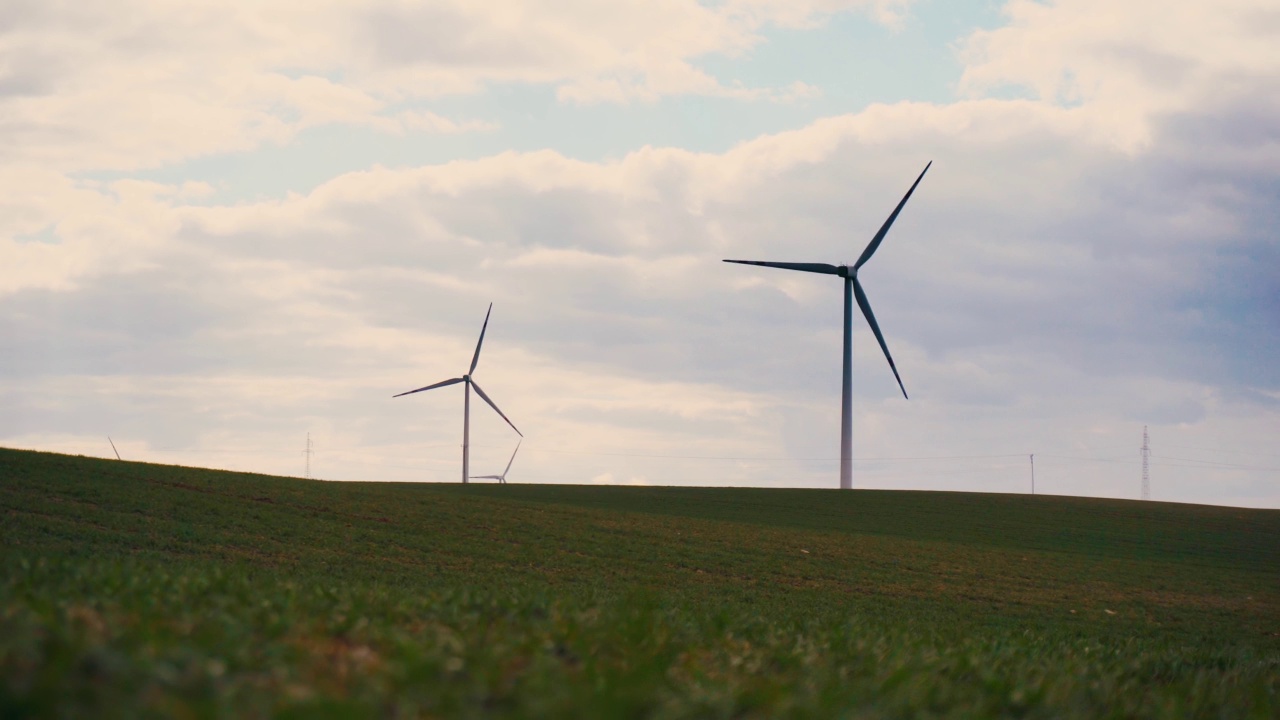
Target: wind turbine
852 289
503 477
466 407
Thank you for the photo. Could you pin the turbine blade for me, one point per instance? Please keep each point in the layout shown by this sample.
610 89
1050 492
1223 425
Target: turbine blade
476 358
513 459
822 268
495 408
485 477
442 383
875 328
884 229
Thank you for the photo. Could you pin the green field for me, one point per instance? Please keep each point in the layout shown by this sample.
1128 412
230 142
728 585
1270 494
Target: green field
132 590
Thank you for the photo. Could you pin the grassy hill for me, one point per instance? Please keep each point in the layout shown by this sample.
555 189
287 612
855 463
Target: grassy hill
133 589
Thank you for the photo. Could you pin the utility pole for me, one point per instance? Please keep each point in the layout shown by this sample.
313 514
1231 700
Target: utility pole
1033 473
307 452
1146 458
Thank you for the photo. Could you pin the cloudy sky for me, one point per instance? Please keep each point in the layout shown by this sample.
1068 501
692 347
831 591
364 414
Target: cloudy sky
225 225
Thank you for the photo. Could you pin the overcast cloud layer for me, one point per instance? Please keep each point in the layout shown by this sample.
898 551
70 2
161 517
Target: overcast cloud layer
1094 250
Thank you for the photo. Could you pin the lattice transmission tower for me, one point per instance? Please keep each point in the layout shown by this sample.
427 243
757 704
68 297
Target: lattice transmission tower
1146 461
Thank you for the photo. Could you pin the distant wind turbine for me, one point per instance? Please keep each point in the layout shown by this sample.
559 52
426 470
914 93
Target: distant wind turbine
466 407
502 479
852 289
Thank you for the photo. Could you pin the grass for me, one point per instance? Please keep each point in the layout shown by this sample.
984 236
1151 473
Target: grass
131 589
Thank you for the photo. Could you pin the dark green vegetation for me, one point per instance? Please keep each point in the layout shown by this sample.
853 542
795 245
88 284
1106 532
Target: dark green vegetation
131 589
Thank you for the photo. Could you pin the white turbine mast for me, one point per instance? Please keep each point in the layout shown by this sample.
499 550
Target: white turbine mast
852 289
470 383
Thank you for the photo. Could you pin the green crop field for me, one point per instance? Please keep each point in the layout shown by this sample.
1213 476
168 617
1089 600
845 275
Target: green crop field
133 590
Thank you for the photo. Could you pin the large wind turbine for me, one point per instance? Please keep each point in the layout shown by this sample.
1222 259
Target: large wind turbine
852 289
502 479
466 407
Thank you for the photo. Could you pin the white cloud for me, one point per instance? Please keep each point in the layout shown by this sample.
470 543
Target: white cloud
1125 62
143 83
809 13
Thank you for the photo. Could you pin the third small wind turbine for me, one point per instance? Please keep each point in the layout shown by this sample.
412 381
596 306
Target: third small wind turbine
466 407
502 479
852 289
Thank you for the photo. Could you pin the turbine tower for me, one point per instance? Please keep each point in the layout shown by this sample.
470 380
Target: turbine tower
502 479
466 406
852 289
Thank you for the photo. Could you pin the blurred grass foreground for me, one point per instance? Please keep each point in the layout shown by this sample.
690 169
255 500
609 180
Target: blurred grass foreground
133 590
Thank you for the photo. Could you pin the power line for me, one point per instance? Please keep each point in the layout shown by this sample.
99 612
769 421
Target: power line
1115 460
1224 451
1214 463
827 458
741 458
